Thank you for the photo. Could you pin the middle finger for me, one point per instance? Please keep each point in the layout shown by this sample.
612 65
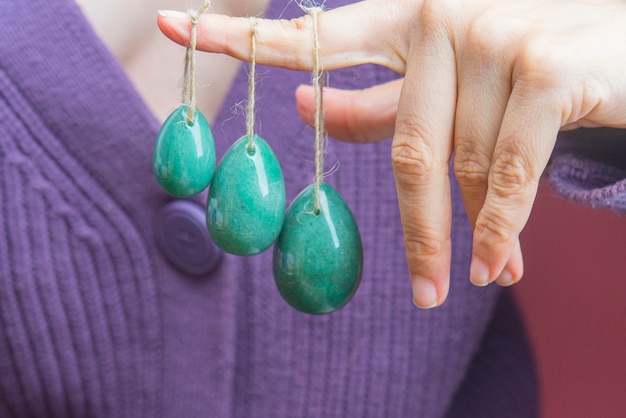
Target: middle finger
484 87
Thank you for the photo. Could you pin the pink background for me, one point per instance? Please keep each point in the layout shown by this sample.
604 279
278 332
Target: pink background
573 296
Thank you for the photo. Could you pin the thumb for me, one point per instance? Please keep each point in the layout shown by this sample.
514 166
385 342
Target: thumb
357 116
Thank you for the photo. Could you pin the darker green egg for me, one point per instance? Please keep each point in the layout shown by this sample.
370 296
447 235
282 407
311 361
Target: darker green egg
184 153
318 257
246 203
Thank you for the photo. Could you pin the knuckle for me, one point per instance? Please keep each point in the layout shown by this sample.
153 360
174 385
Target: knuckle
412 156
420 248
541 65
494 228
356 129
436 14
300 23
297 30
471 167
485 40
511 174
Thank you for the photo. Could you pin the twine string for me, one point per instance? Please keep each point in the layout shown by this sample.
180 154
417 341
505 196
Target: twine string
189 89
251 85
319 111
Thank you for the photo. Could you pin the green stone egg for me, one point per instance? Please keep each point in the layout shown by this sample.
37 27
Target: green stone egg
184 153
246 204
318 257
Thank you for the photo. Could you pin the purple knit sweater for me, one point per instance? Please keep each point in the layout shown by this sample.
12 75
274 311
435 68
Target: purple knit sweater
95 322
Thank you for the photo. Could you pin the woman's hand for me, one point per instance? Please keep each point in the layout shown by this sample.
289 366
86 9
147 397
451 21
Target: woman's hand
490 82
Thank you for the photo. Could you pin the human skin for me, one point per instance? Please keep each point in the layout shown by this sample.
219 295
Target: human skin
152 62
486 83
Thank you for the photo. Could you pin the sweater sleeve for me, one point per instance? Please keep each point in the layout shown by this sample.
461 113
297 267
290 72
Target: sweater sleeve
589 167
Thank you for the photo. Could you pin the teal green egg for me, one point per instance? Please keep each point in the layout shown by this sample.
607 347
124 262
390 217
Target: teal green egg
246 204
318 257
184 153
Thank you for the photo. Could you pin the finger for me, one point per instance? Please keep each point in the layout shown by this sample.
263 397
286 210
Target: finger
420 154
527 137
354 115
483 93
514 269
348 36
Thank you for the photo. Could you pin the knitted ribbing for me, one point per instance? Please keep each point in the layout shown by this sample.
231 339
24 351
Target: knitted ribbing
79 312
589 167
589 182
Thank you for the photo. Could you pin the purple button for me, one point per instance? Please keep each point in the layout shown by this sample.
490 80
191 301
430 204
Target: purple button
184 239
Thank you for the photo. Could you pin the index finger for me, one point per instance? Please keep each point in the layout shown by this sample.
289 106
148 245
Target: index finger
349 35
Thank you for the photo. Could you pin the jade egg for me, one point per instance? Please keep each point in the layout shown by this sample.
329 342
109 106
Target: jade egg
318 256
246 203
184 153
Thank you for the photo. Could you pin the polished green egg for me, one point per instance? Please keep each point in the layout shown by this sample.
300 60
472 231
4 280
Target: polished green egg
246 203
184 153
318 256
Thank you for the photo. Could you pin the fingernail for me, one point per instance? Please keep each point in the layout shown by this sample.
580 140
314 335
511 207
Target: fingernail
424 293
173 14
479 272
505 278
